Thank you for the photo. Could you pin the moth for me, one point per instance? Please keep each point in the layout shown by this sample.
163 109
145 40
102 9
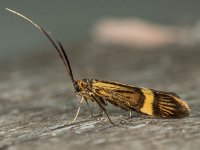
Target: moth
150 102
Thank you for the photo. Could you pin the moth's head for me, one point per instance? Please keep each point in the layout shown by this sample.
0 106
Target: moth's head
82 85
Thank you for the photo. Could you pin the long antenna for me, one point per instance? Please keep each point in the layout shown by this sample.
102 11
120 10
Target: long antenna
58 46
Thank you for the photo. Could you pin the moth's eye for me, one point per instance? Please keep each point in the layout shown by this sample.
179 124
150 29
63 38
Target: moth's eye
77 88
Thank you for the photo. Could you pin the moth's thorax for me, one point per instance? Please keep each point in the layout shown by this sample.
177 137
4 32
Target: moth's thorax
84 85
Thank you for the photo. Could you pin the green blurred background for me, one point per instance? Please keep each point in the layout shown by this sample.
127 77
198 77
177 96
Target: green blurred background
71 20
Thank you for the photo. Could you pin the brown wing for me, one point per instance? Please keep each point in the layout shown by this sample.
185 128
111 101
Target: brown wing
169 105
147 101
120 95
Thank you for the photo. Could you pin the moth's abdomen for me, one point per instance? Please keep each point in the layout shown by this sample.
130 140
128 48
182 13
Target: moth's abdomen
163 104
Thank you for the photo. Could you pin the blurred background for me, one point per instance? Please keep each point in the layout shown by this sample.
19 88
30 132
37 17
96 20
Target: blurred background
102 21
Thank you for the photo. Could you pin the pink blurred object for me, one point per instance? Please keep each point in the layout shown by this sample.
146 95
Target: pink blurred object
136 32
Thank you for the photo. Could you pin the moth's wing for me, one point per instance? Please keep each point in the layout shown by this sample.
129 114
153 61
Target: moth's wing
120 95
167 93
147 101
124 99
168 105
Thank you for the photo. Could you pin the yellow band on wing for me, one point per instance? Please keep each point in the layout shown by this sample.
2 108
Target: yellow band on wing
147 107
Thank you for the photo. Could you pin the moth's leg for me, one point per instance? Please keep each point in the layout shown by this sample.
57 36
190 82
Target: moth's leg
130 113
88 106
105 111
101 111
91 113
80 104
102 108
